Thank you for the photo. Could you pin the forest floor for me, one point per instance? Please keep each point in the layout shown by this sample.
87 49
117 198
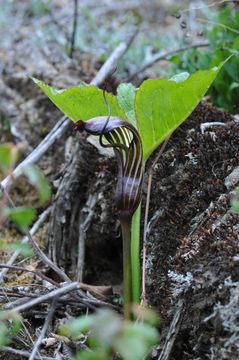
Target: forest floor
192 245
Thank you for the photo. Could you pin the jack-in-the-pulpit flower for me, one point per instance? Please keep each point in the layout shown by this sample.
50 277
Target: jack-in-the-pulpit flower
126 142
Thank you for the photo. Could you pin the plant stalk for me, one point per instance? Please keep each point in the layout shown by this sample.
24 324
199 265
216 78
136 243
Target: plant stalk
135 255
127 275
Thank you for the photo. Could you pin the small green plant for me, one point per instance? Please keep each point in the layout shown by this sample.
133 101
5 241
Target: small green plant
222 30
107 334
10 326
134 122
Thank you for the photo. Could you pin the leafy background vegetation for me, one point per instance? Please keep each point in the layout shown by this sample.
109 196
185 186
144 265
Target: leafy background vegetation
221 28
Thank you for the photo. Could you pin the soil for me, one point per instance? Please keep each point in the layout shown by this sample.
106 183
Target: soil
192 240
193 244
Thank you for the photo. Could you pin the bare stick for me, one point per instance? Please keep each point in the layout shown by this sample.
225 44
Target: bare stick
111 63
163 56
42 218
172 332
43 331
47 297
56 133
73 36
18 352
143 295
204 21
86 216
37 273
63 124
45 259
217 3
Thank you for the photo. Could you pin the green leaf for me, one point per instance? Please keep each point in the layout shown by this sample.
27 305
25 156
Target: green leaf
4 336
21 216
87 355
162 105
82 103
10 325
37 179
136 341
156 109
25 249
5 157
77 326
126 98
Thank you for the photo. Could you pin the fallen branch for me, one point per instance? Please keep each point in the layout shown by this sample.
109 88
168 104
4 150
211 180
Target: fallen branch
37 273
204 21
47 297
73 35
56 133
85 220
18 352
205 7
163 55
89 301
43 331
172 332
110 65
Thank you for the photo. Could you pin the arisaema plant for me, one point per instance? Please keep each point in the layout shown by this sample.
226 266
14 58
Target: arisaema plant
134 123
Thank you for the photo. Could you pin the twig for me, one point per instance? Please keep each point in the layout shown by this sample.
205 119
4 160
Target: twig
89 301
18 352
56 133
73 36
37 273
47 297
42 218
204 21
143 295
43 331
172 332
209 5
63 124
45 259
111 63
163 56
86 215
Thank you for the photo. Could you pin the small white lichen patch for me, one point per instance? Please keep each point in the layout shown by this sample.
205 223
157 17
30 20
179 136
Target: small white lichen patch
229 313
180 282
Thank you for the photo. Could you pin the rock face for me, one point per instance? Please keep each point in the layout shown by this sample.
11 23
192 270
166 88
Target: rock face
193 239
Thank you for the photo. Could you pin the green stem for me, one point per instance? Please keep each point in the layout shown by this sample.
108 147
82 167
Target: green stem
127 278
135 255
